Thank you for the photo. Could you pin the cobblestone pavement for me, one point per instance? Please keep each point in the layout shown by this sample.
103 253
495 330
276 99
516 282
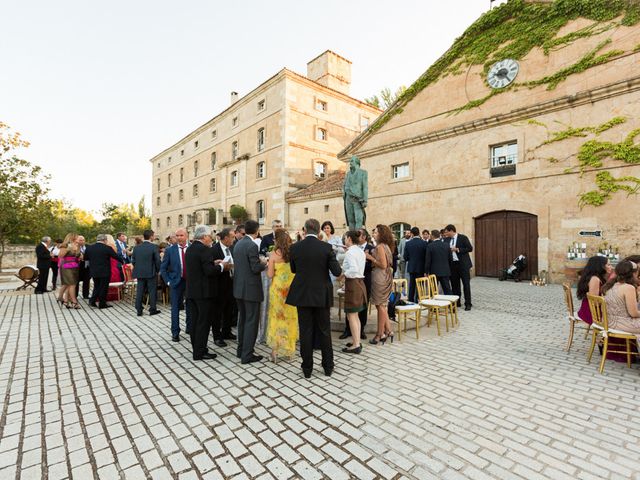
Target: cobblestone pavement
103 393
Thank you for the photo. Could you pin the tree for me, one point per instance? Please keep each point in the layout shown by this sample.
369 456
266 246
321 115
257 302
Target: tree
238 213
23 189
386 98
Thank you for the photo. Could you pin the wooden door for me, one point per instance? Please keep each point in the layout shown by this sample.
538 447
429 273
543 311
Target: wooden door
500 237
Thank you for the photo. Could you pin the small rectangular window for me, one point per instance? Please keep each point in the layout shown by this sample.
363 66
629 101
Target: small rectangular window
234 122
212 185
262 104
503 159
157 201
234 150
158 164
158 187
169 160
364 122
234 178
321 134
320 170
400 171
321 105
157 223
195 144
169 180
182 153
326 208
195 190
214 134
260 139
306 210
261 170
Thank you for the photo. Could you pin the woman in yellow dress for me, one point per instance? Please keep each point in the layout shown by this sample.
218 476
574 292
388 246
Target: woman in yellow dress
282 328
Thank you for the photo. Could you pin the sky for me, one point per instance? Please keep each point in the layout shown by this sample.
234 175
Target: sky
100 88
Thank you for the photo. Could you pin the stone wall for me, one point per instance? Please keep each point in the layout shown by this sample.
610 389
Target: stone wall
16 256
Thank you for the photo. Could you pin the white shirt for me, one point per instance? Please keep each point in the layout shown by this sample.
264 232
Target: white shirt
354 262
186 245
452 244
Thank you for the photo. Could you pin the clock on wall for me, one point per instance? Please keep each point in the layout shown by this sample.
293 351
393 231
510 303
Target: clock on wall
502 73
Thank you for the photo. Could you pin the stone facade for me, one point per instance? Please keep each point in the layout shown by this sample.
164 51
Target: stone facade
276 139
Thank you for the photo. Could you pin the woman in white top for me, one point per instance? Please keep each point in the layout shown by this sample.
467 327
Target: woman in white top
355 292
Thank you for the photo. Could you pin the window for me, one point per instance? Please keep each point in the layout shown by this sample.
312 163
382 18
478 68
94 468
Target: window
319 169
212 185
195 190
182 175
157 223
214 134
168 221
158 164
182 153
195 168
321 105
306 210
326 208
234 150
157 201
168 198
180 220
169 180
261 170
158 188
321 134
400 171
260 139
260 211
262 104
189 220
505 154
169 160
181 195
234 178
234 122
364 122
214 158
195 144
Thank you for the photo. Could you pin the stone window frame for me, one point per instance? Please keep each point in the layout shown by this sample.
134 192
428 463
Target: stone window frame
195 190
262 105
261 207
262 139
234 179
181 194
213 184
321 134
261 170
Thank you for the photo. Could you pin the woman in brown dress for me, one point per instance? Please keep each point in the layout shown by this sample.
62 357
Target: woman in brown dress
69 267
382 281
355 291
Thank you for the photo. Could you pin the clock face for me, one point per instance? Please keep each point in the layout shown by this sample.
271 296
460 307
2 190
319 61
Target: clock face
502 73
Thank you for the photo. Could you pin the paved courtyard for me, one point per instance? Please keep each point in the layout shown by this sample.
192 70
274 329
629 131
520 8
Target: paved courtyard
105 394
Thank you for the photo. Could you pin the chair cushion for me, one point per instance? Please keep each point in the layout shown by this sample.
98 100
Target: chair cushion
407 308
621 332
434 303
116 284
447 298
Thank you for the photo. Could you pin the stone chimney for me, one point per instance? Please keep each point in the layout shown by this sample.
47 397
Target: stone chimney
331 70
234 97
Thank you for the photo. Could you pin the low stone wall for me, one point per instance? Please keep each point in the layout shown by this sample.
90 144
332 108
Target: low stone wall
16 256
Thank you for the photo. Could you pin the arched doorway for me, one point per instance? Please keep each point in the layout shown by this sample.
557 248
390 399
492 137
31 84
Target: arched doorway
500 237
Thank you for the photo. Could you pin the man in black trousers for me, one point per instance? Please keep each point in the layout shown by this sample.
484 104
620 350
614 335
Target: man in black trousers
437 261
43 264
312 293
460 247
222 321
146 266
98 255
202 273
414 253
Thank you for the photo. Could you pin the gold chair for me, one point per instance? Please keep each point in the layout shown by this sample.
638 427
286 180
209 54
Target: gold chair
402 313
453 299
598 308
572 315
434 307
400 286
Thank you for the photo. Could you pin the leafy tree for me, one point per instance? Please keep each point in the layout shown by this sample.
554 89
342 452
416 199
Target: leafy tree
386 98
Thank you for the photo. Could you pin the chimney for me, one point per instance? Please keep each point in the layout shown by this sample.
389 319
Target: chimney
331 70
234 97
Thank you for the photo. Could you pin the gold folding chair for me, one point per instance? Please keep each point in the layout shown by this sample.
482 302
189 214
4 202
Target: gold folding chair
572 315
400 286
434 307
453 299
598 308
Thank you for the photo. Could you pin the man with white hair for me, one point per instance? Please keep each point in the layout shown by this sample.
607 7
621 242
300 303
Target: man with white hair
99 256
202 273
43 264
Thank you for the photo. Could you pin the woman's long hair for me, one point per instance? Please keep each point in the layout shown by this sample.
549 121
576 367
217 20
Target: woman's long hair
282 242
385 235
624 274
69 244
596 266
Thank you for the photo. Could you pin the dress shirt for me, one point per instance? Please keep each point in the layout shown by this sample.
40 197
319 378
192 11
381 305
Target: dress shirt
180 247
354 262
454 255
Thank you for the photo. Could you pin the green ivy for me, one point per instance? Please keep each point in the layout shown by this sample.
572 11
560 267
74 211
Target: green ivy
608 185
512 30
588 31
582 131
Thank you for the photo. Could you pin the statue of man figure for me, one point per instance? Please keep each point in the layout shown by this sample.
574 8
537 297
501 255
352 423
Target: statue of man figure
355 194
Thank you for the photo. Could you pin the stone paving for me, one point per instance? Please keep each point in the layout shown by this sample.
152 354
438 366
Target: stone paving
105 394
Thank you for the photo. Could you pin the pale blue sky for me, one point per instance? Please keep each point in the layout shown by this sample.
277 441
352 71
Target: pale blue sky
100 88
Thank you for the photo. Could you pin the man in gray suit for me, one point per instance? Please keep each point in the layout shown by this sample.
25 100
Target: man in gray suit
146 265
247 290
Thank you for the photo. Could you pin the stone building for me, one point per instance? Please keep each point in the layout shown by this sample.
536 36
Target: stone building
280 137
523 134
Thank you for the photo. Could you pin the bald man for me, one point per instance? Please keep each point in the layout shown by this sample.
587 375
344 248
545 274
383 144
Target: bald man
173 273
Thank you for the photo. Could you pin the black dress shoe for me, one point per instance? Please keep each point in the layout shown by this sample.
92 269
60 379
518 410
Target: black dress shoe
176 338
254 358
459 304
229 336
105 306
358 349
206 356
220 343
467 308
139 313
188 332
154 312
307 373
363 336
344 335
93 304
328 371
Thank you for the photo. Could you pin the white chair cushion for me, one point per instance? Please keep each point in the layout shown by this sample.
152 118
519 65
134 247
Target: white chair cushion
434 303
597 327
116 284
447 298
407 308
621 332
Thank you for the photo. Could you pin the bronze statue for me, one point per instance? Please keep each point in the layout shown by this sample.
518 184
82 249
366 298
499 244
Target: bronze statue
355 194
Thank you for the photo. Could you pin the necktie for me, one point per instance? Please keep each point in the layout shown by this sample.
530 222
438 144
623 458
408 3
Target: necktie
227 254
184 270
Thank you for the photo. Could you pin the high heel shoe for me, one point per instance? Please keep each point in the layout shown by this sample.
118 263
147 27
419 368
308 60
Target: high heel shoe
377 339
60 301
390 336
72 305
383 340
356 350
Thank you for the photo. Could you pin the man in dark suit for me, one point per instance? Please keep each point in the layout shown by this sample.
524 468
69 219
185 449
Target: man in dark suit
174 274
312 293
365 245
121 246
414 254
146 265
99 256
247 290
437 261
269 239
203 273
460 247
43 263
222 321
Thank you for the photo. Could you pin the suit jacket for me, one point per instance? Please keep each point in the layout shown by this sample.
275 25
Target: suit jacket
202 274
465 247
368 248
414 254
44 256
247 280
146 260
437 259
267 241
312 260
225 281
171 268
99 257
122 252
